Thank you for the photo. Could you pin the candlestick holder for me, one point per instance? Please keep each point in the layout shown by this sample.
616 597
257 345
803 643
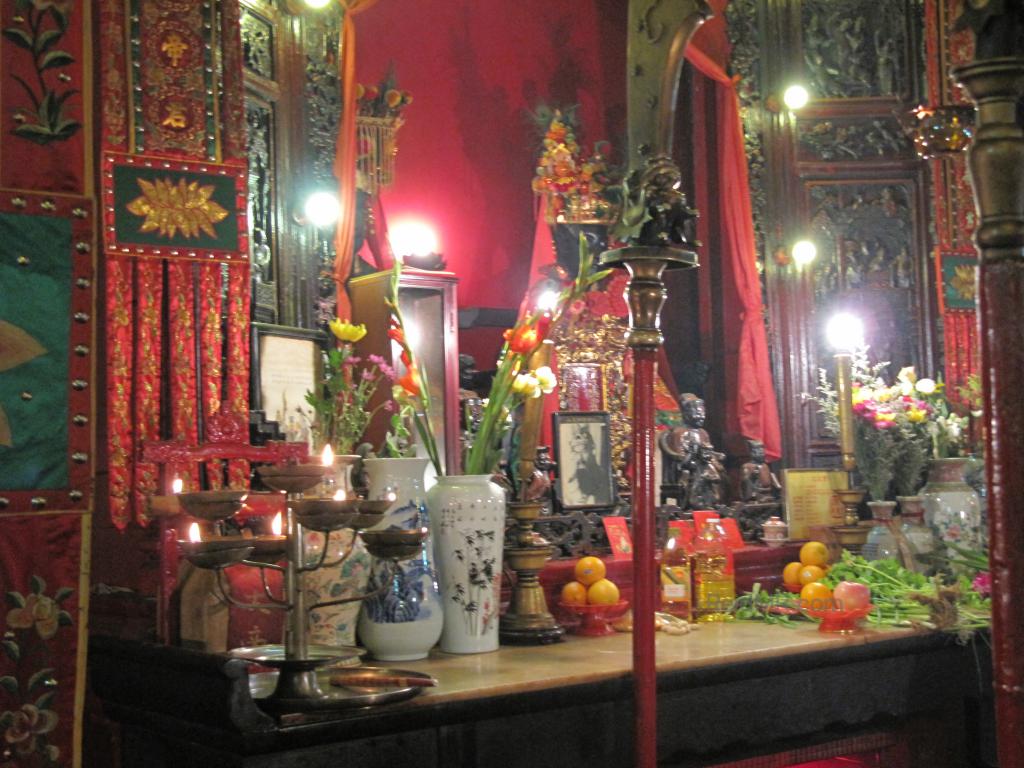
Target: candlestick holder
528 620
298 685
851 535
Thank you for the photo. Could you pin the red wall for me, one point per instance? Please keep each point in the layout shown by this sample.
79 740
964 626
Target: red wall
467 151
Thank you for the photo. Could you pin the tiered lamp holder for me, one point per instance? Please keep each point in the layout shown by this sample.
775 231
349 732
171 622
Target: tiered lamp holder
298 687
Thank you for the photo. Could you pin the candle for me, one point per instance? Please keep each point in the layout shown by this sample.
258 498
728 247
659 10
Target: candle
845 333
194 533
177 485
327 457
275 525
340 495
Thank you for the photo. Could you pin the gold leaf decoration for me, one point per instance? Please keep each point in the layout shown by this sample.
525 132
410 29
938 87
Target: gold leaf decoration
963 282
169 207
16 347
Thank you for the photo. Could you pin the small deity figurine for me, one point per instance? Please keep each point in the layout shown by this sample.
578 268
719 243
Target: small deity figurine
758 484
689 460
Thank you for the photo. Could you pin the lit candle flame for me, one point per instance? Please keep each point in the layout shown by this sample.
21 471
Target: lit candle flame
275 525
193 533
391 496
327 457
177 485
340 495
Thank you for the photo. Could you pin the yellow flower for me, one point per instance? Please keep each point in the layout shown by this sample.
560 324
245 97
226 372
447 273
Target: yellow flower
885 395
526 384
907 374
860 395
346 331
546 379
916 415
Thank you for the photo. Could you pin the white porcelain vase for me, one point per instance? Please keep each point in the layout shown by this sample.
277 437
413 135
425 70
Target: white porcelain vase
403 623
952 507
467 514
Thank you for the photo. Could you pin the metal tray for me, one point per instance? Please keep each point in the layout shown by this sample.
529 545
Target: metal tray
319 656
261 686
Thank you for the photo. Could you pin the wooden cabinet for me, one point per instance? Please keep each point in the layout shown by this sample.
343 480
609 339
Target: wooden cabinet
428 304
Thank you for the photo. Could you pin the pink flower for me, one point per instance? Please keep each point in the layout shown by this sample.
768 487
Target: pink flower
368 375
982 584
389 406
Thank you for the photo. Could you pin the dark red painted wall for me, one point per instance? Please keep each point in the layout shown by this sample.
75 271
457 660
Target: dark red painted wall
466 153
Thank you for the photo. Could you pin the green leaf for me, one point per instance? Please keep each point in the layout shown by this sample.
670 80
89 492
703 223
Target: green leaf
6 720
56 59
63 594
64 619
66 129
9 684
38 584
59 100
11 649
19 37
47 39
60 16
15 600
38 134
39 678
44 701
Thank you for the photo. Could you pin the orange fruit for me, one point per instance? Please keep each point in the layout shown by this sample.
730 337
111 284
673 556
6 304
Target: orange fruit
574 593
589 570
791 574
810 573
602 592
817 596
814 553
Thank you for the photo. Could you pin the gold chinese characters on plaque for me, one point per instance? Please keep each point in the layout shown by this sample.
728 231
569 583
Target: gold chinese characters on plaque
809 499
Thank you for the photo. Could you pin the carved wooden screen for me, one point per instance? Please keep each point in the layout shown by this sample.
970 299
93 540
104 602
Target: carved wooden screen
841 173
291 111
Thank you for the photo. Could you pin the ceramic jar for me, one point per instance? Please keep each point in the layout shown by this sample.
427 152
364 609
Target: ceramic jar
774 531
404 622
467 514
335 624
952 507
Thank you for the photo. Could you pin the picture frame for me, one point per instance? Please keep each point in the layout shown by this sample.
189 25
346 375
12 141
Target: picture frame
583 386
287 362
583 451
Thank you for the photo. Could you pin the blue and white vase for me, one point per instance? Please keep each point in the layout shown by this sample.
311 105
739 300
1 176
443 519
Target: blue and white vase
404 622
467 513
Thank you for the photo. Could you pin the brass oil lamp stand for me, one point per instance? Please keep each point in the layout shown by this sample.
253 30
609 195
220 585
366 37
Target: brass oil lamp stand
298 687
528 620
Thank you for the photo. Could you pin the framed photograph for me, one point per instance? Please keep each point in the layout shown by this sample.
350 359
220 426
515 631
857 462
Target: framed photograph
583 451
582 386
286 364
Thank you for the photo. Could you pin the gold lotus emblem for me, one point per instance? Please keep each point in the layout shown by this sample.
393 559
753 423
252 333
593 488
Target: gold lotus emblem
16 347
963 282
169 207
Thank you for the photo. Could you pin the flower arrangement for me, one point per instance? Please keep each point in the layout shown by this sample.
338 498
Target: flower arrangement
577 188
340 410
897 427
515 381
383 99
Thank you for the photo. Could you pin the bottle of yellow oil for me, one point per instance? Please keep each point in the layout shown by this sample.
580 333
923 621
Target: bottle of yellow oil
675 579
713 582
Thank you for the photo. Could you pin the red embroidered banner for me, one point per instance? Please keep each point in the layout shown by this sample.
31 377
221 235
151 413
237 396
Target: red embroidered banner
174 192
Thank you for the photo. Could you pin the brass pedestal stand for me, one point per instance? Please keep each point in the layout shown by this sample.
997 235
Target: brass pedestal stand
528 620
851 535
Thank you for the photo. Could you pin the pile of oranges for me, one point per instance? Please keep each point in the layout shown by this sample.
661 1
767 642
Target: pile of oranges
591 587
808 573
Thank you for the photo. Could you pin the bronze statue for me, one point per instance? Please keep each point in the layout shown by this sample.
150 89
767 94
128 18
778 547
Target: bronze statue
691 468
758 483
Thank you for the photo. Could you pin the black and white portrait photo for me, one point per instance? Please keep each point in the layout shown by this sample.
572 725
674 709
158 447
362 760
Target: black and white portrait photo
583 449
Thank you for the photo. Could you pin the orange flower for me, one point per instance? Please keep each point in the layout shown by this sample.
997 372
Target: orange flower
411 382
396 334
393 98
523 339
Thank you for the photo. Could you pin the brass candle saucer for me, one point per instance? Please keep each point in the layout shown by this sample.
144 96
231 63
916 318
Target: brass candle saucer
528 620
212 506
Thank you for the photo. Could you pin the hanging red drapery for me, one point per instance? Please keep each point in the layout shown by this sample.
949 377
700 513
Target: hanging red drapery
751 407
346 153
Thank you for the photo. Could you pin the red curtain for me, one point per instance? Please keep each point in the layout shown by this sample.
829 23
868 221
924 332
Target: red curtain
751 408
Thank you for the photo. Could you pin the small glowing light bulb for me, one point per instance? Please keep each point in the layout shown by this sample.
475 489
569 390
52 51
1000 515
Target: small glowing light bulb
796 97
804 252
177 485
